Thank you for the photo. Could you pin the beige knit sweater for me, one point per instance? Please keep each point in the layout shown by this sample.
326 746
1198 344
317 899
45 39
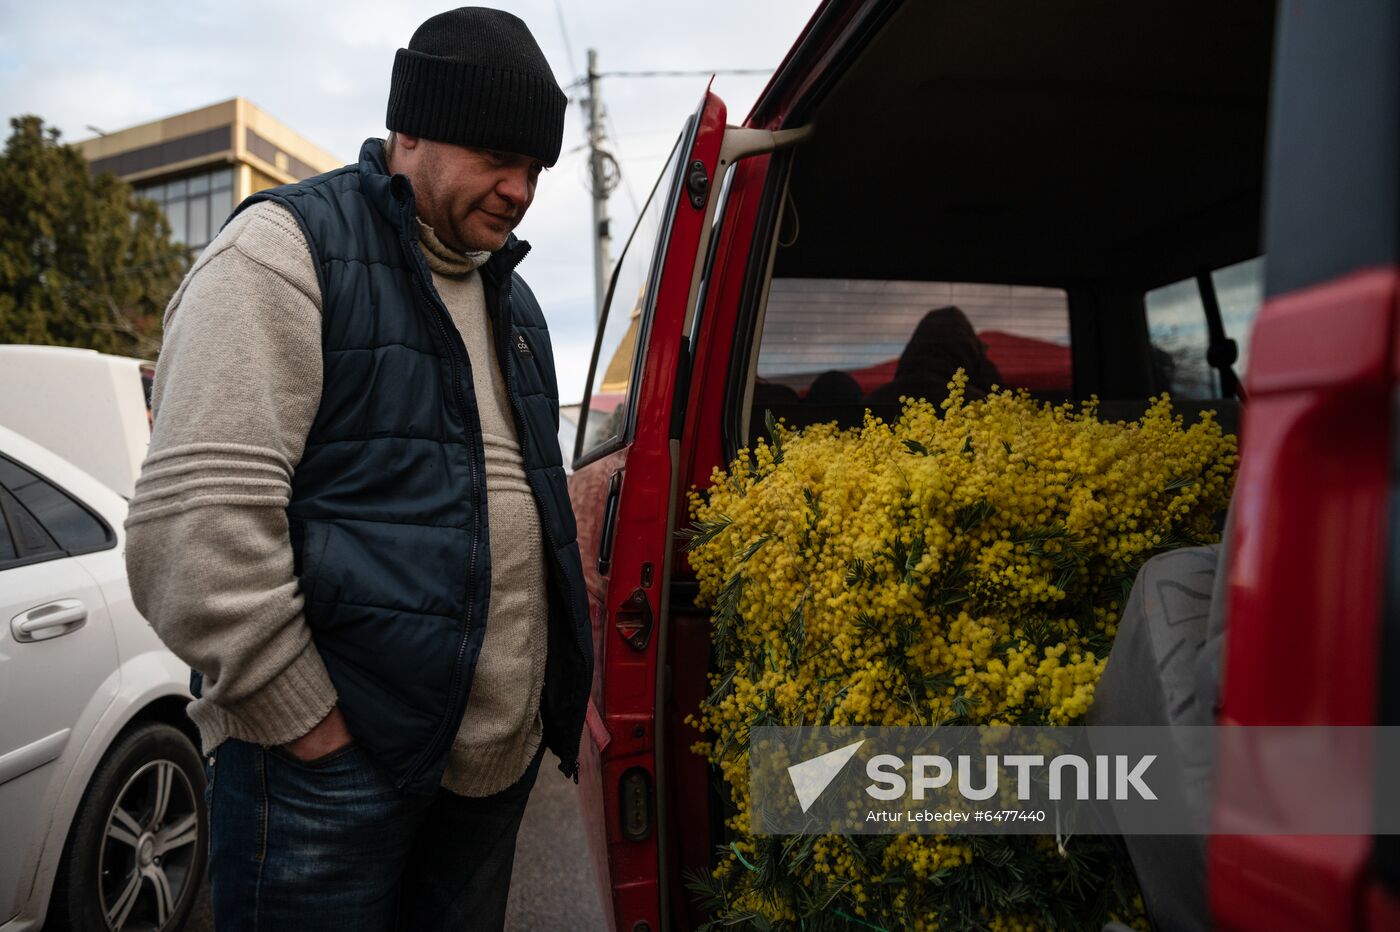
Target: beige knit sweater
208 554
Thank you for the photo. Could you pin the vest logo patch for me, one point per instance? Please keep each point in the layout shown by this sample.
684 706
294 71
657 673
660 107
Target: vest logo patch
521 345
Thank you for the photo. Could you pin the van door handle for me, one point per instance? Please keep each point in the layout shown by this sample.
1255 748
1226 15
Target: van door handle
605 543
49 621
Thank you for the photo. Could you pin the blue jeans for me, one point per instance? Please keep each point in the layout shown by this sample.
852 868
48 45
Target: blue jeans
331 844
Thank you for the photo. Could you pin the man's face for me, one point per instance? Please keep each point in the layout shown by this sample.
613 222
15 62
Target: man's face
472 198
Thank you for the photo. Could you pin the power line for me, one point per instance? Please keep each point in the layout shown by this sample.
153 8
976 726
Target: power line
564 30
683 74
604 172
617 145
698 73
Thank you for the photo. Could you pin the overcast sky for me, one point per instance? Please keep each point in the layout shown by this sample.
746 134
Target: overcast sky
323 69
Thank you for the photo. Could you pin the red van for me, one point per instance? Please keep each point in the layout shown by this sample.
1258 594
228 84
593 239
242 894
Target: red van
1120 199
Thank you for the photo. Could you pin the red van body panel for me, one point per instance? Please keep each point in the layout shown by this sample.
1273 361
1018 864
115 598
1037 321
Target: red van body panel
702 448
1306 578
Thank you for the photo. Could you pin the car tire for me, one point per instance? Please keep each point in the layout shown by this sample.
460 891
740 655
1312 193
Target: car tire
136 852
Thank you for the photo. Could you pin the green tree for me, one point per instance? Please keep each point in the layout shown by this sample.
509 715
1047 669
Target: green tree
83 261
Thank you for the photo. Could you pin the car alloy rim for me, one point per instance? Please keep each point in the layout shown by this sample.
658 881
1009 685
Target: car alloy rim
148 848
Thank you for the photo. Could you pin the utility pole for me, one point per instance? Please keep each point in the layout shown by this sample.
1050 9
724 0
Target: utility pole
599 184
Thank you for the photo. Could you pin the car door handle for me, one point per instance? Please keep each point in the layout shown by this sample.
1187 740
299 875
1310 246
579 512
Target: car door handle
605 541
49 621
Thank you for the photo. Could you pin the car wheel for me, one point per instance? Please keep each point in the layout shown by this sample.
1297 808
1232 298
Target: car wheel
134 859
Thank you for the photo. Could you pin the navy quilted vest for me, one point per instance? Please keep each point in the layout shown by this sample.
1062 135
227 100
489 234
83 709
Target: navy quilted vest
388 509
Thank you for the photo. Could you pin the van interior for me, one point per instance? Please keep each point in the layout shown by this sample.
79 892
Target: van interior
1058 197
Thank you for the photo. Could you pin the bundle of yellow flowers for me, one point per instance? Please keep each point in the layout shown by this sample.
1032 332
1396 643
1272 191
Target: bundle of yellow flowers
962 566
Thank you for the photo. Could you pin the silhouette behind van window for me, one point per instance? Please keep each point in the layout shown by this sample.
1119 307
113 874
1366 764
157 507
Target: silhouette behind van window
834 387
773 393
942 343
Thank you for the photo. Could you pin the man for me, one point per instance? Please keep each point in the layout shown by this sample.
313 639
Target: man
353 522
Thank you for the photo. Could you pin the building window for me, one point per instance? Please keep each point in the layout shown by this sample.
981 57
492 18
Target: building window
195 206
282 161
218 139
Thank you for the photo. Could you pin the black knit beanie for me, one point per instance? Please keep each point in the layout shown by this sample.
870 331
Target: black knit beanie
476 77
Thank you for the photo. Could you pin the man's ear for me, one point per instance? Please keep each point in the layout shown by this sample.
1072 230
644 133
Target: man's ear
397 147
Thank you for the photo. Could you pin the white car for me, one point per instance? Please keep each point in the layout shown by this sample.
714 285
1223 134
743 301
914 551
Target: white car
102 822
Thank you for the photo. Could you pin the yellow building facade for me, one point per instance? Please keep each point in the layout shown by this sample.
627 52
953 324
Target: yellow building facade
198 165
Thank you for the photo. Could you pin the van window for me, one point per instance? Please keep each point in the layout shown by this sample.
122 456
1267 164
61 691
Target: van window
1176 325
832 347
617 355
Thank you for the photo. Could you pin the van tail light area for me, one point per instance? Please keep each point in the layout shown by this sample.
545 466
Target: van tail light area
1307 576
635 804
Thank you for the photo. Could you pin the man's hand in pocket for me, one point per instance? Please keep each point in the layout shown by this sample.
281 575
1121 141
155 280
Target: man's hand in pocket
330 735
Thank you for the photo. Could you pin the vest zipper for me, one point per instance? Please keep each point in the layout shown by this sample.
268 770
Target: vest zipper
571 766
454 714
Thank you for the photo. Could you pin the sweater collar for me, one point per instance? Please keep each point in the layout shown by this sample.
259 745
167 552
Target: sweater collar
443 259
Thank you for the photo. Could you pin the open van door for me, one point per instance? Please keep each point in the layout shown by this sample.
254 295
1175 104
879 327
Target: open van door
627 499
621 488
